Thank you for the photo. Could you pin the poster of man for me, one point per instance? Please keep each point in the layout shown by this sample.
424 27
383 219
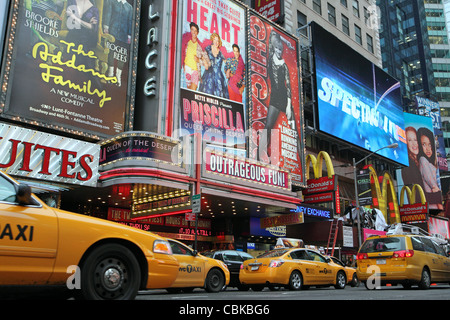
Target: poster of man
275 116
74 64
213 73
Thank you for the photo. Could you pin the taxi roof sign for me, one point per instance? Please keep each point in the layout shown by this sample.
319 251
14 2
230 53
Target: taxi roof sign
289 243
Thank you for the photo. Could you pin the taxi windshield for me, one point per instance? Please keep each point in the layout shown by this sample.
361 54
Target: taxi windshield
274 253
383 244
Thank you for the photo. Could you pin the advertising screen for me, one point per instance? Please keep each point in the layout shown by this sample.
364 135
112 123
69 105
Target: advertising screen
422 160
276 112
357 101
71 64
430 108
213 91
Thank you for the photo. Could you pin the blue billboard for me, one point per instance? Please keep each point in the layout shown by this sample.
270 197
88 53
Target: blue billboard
356 101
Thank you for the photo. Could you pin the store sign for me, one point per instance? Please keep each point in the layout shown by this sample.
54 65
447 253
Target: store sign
34 154
245 169
271 9
314 212
140 145
282 220
414 212
324 184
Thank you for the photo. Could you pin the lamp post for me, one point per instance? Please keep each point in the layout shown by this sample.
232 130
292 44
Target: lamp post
391 146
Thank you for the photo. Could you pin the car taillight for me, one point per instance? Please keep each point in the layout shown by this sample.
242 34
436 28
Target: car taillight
275 263
161 246
403 254
362 256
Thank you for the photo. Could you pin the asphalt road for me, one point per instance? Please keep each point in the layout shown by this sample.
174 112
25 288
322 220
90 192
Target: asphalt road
436 292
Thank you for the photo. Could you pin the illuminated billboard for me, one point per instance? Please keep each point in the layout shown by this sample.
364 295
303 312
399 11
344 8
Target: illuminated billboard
356 101
213 69
68 66
276 111
422 160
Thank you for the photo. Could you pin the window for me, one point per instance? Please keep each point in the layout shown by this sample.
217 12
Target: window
315 256
428 245
231 256
301 22
417 244
7 190
178 248
358 34
355 8
317 6
345 25
383 244
299 255
369 43
344 3
331 14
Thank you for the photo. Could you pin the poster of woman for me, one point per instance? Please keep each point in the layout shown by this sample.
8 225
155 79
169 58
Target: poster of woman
275 117
423 166
74 64
212 81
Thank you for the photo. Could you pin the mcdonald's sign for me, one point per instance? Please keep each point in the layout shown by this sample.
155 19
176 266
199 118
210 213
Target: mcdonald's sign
384 196
321 189
413 212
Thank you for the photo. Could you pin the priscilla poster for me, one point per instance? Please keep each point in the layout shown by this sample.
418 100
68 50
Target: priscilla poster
71 64
213 55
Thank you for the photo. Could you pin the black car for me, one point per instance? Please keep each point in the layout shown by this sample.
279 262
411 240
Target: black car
233 259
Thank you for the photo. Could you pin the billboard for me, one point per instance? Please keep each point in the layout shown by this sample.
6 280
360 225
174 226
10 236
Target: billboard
213 69
356 101
428 107
423 166
74 65
273 10
276 112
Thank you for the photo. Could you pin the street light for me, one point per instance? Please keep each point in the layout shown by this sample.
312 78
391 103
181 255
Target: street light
391 146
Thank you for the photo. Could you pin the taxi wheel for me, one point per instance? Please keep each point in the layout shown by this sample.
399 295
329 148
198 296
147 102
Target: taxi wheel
295 280
215 281
425 282
110 272
341 280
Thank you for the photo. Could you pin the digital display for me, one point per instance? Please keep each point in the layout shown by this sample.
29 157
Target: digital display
357 101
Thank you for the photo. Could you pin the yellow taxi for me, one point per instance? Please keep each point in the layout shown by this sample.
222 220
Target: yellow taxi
405 255
197 271
350 272
40 245
294 268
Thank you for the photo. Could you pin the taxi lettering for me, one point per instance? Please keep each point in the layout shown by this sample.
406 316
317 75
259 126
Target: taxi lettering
17 233
189 269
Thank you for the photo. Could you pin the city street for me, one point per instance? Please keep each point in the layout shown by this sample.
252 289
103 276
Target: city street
436 292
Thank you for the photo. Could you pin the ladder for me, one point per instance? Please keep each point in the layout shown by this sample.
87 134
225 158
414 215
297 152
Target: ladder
332 236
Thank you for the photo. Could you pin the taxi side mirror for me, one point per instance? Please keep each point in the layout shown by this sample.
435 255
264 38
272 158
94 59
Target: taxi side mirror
194 253
328 260
23 195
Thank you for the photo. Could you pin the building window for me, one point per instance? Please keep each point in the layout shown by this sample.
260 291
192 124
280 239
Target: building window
358 37
344 3
345 25
331 14
317 6
369 43
356 8
301 22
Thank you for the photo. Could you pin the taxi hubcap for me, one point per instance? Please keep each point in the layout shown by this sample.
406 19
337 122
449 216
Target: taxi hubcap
296 280
111 277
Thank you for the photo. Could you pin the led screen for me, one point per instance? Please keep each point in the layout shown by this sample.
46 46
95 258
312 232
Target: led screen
357 101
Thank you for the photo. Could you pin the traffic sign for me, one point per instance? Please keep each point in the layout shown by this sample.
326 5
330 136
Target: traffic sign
196 203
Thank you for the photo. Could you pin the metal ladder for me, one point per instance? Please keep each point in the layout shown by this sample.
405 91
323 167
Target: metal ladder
332 236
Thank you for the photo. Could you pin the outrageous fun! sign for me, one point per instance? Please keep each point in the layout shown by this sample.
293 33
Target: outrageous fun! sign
213 73
74 64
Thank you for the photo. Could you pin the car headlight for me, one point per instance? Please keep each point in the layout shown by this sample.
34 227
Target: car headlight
162 246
